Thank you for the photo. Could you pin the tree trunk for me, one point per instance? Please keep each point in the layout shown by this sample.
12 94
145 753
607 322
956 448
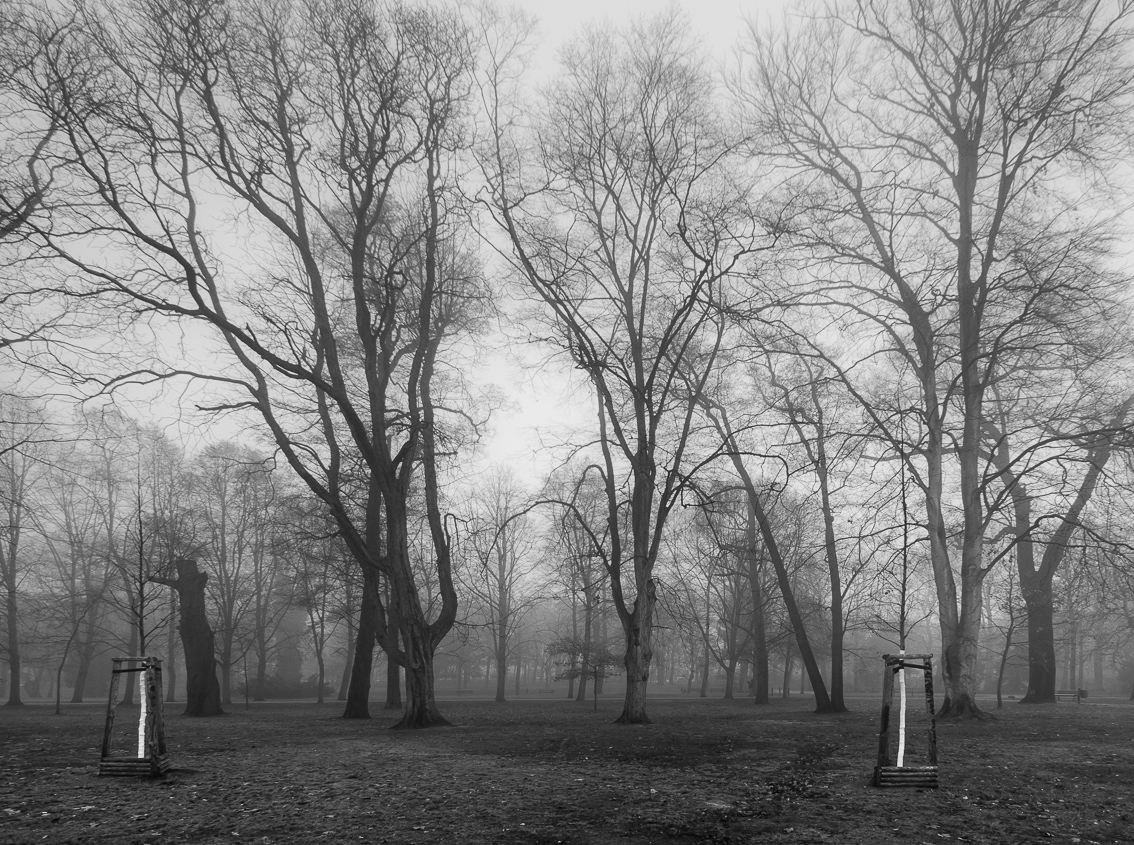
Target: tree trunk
344 683
421 705
692 668
959 666
759 631
1004 662
128 691
1073 652
503 613
831 548
705 669
13 655
85 654
760 672
261 664
225 664
393 670
393 685
587 655
202 689
358 692
639 633
170 667
1037 592
322 676
785 690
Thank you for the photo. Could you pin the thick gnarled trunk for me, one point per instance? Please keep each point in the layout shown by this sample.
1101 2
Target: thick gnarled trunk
421 702
1037 593
202 689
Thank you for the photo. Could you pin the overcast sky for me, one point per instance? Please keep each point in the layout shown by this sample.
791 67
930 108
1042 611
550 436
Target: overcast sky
717 22
545 403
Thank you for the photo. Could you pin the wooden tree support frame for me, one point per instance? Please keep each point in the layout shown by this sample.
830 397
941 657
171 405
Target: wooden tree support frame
155 762
886 773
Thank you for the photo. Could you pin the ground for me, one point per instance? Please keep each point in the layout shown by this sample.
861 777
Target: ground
704 771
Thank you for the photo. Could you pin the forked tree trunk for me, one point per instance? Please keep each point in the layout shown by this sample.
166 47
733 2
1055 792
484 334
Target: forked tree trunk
959 663
639 634
421 704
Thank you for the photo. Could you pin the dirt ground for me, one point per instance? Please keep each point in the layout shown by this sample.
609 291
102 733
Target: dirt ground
557 772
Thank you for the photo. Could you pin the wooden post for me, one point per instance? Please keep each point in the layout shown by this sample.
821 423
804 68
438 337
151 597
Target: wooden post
887 698
930 711
110 711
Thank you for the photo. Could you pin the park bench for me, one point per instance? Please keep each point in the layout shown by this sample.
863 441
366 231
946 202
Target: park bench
545 692
1068 694
466 692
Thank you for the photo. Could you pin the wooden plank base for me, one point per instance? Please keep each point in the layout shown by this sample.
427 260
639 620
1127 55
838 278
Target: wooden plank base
127 766
924 777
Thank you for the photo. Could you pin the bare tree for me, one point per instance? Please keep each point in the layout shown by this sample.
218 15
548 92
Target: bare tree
498 576
72 528
23 434
318 561
235 495
329 127
578 535
919 206
623 221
